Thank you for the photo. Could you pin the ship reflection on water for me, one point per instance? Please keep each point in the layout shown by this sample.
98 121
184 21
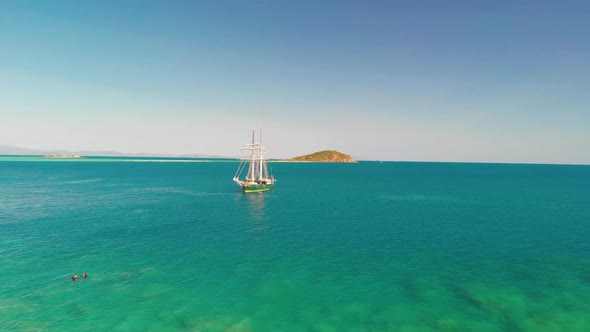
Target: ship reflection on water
257 215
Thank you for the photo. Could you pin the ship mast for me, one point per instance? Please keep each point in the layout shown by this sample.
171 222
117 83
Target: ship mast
261 155
258 177
251 167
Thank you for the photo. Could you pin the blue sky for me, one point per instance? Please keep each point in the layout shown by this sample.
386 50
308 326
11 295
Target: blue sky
492 81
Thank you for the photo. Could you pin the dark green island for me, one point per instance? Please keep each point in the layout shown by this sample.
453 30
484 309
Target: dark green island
326 156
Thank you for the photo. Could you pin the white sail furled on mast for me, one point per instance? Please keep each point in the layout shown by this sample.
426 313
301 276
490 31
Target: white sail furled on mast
258 178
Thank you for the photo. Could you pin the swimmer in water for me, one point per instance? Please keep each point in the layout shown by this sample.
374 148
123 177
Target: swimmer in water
74 277
84 275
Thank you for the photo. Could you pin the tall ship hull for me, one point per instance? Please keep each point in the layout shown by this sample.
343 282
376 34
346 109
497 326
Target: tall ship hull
255 187
258 177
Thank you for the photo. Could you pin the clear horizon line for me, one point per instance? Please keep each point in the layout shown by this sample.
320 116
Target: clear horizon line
147 155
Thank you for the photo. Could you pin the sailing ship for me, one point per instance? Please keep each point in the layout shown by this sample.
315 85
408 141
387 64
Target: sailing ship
258 177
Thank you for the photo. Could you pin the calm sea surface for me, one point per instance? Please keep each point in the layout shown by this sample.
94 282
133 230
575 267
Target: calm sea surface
334 247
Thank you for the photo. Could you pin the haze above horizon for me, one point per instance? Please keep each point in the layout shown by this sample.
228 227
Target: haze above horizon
382 80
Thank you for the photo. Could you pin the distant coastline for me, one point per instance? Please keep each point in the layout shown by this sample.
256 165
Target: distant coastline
92 159
11 150
63 156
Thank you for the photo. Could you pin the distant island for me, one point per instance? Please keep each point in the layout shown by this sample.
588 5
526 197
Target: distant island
326 156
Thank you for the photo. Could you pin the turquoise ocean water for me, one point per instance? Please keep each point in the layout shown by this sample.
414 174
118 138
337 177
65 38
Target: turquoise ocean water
334 247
